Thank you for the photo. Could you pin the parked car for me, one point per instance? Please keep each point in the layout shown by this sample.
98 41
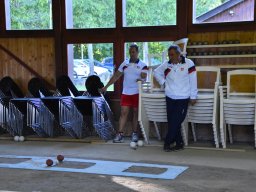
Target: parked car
102 72
80 70
108 63
96 63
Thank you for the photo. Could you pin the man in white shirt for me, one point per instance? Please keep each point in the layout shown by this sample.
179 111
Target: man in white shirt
178 76
133 70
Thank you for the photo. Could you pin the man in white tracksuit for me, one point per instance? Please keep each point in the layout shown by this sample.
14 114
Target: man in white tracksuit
178 76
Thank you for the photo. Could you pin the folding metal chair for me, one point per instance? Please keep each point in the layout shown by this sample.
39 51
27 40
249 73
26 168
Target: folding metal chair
103 120
70 118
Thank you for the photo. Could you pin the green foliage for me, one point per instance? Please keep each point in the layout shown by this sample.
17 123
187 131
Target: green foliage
36 14
203 6
150 12
30 14
94 13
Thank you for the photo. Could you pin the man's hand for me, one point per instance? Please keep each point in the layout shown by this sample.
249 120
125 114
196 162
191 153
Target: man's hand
103 90
139 80
192 101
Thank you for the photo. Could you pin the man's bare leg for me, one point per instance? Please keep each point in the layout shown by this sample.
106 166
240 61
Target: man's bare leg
122 120
135 136
123 117
135 120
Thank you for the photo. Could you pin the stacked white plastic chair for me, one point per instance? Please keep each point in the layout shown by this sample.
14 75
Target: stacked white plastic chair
152 102
205 111
237 102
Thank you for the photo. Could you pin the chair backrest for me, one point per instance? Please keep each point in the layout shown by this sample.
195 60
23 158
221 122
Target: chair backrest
9 88
65 85
36 86
93 84
241 83
182 43
207 76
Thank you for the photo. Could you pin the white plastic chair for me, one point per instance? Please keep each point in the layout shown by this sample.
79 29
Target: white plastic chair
237 102
152 107
182 43
205 111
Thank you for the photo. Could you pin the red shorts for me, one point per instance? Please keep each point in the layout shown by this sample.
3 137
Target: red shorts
130 100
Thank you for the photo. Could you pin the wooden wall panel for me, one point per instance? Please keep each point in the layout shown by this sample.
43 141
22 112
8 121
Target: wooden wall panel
211 37
37 53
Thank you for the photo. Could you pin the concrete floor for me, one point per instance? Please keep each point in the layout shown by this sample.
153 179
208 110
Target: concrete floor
209 170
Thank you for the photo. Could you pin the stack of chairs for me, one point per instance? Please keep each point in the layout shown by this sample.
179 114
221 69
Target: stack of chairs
152 108
205 111
39 117
13 117
70 117
4 111
237 102
103 120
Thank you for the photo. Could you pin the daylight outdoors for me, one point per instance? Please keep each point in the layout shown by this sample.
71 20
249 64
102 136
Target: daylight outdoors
82 14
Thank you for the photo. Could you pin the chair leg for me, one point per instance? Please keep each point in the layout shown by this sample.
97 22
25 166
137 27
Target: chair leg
222 135
144 131
193 125
157 131
230 134
215 135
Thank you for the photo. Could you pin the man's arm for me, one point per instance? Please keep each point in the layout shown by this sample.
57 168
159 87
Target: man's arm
193 84
159 73
144 72
112 80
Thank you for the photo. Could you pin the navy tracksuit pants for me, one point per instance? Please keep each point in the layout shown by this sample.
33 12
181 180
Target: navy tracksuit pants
176 113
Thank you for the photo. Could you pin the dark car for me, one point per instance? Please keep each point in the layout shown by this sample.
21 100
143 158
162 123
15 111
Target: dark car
108 63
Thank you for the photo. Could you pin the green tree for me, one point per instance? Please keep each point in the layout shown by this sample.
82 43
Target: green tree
94 14
30 14
150 13
203 6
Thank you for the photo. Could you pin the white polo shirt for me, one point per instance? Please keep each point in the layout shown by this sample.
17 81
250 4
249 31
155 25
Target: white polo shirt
180 79
132 72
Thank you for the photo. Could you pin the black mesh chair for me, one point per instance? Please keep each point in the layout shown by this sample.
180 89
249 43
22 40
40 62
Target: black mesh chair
9 88
39 117
70 118
65 86
93 84
12 115
37 88
103 121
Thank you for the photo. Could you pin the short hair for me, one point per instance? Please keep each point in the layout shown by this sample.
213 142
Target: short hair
176 48
134 46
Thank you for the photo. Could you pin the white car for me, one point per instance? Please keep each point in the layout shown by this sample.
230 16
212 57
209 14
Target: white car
80 69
